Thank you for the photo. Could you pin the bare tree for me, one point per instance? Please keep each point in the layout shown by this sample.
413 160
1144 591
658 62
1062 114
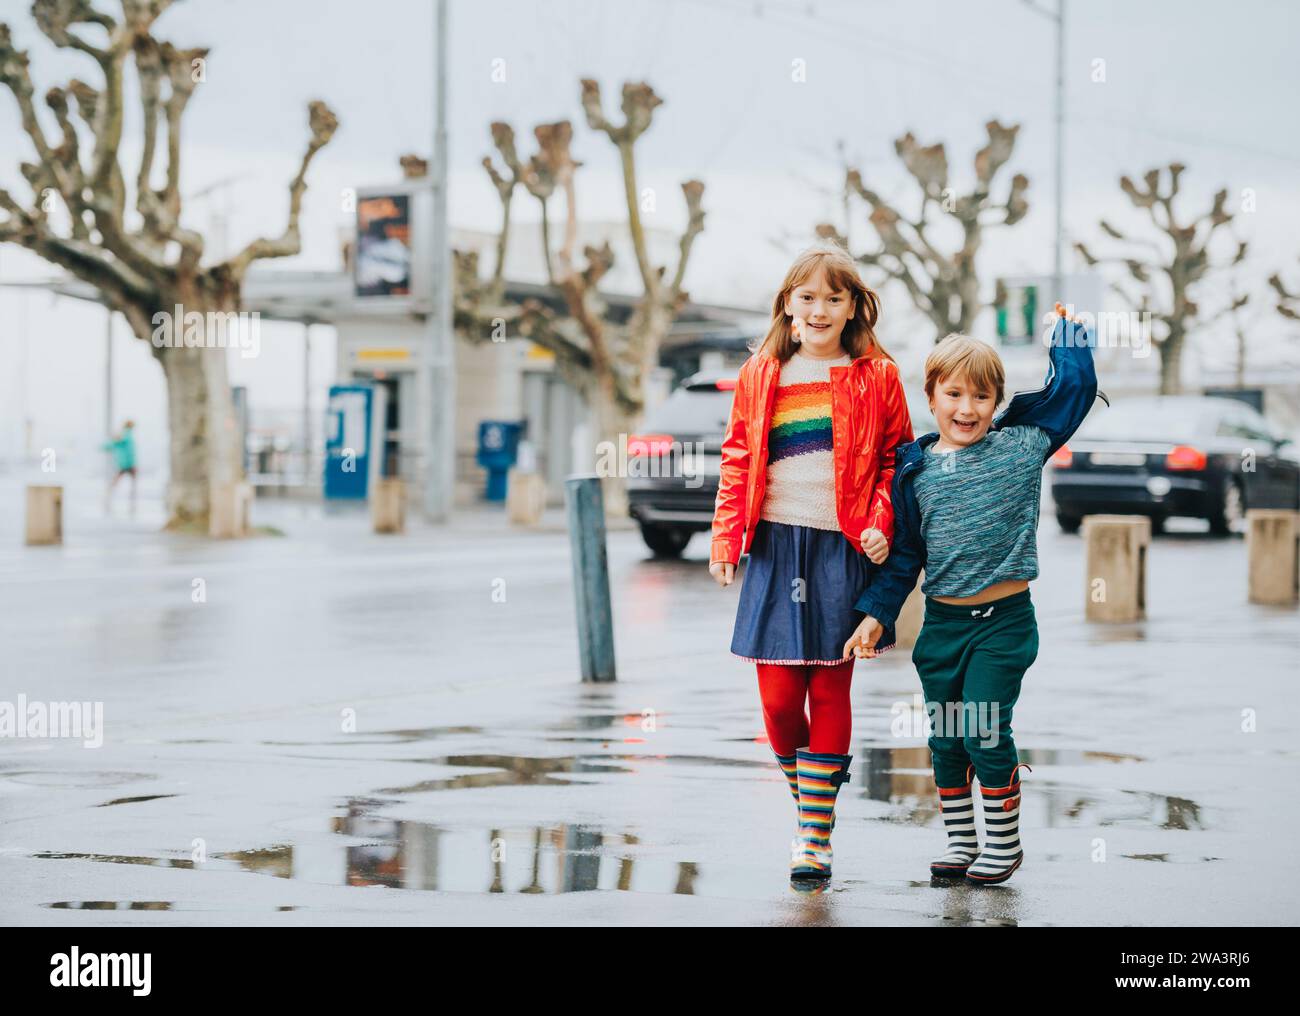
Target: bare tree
1170 271
143 263
1288 303
944 286
607 361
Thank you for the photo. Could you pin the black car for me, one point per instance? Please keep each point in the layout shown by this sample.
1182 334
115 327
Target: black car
1184 455
673 463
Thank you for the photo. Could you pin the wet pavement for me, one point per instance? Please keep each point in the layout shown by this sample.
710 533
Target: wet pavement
360 729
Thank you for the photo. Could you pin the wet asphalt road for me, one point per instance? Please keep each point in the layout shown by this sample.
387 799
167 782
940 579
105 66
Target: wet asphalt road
355 729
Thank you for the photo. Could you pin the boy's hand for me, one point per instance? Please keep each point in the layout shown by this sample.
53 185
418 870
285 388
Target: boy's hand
862 642
875 545
723 571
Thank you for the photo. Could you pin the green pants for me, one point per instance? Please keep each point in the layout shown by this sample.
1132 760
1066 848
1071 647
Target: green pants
971 661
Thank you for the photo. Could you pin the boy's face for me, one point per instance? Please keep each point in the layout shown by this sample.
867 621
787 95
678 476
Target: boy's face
962 411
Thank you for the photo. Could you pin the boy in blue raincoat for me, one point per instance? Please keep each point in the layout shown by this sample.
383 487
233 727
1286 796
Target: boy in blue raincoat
966 505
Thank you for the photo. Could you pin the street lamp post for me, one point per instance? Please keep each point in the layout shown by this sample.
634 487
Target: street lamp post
1057 16
440 386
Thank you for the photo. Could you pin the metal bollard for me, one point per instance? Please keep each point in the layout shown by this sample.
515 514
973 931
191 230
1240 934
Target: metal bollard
1273 542
586 511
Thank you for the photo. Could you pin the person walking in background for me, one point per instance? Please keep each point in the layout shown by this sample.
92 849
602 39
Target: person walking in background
123 449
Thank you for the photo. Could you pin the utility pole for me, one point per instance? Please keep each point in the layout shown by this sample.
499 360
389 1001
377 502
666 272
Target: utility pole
1058 16
306 400
440 388
108 372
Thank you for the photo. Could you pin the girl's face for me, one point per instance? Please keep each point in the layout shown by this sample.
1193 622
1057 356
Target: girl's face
823 313
962 411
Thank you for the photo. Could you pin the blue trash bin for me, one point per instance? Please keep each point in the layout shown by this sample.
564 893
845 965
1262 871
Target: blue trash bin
498 446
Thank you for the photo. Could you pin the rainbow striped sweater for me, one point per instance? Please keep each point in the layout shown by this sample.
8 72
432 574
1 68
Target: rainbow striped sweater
800 465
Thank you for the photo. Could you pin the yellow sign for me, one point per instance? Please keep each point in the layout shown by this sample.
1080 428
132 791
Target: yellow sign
383 354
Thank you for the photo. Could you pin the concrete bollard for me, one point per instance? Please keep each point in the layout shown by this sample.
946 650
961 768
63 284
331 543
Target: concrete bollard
388 505
910 618
1273 552
585 505
44 515
1116 577
229 508
525 498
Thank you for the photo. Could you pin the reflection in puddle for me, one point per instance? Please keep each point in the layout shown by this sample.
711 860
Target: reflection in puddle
508 771
156 862
902 777
370 850
56 778
153 905
134 800
540 859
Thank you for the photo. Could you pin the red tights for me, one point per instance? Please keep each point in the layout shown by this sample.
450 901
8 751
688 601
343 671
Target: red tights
783 689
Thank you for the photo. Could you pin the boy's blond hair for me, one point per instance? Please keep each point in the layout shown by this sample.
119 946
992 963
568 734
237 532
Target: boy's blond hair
960 356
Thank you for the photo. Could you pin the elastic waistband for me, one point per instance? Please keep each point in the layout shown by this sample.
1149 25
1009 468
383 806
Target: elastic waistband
978 611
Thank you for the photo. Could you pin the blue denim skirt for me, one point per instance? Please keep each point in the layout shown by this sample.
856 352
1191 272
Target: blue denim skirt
781 619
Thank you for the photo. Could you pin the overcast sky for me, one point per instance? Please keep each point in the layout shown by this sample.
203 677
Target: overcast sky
1209 84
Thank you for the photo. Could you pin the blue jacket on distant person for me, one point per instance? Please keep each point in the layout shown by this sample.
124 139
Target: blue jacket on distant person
123 449
1059 407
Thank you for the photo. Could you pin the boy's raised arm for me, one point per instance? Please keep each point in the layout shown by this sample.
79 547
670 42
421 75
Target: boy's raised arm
1062 404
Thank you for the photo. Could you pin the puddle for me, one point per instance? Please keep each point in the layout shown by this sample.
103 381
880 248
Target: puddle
73 780
153 905
508 771
902 777
135 800
604 721
157 862
369 850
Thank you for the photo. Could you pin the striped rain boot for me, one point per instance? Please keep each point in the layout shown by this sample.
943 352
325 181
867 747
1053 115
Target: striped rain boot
787 764
820 777
790 769
958 809
1002 854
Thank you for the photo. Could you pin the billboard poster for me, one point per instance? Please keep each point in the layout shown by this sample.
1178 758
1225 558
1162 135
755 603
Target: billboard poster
383 259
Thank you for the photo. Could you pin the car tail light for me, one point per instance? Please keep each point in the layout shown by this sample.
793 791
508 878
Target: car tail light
1185 457
1064 458
726 384
649 444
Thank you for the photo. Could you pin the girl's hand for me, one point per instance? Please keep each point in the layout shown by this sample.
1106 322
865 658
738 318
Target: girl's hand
862 642
874 545
723 572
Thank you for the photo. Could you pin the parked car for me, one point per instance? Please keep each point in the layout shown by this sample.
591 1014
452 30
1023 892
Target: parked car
1174 455
673 484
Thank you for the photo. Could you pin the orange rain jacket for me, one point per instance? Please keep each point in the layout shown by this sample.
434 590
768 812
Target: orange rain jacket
869 419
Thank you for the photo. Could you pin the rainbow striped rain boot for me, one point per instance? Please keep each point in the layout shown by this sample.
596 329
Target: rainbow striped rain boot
820 776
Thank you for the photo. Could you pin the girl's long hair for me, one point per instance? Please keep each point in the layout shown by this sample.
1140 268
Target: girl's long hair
859 335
